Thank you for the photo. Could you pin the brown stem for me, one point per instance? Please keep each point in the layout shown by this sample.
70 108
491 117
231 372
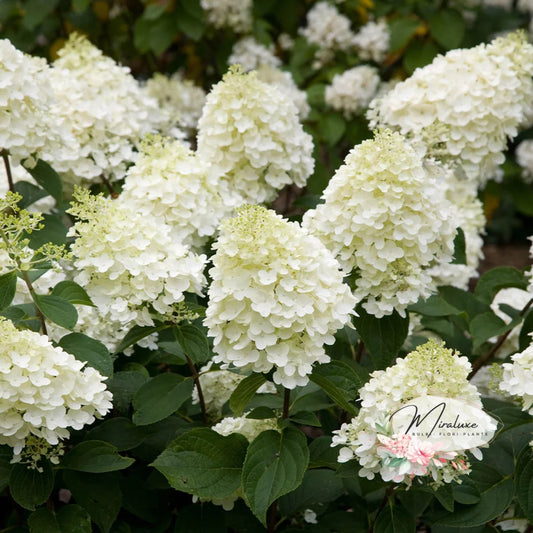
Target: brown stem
10 182
109 187
359 352
481 361
196 378
286 402
32 292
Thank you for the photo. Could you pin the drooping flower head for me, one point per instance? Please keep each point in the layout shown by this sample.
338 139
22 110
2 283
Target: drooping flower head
170 181
250 134
429 371
105 108
45 390
276 298
132 263
385 222
464 106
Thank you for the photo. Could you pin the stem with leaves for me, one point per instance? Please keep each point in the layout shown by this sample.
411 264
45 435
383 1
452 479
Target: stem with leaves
196 378
481 361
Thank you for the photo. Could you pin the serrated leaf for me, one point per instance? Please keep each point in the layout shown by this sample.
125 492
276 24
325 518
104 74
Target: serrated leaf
8 288
124 385
72 292
524 482
193 341
95 456
29 487
56 309
47 177
244 392
275 465
394 519
99 494
464 300
445 496
383 337
447 26
160 397
89 350
204 463
488 325
498 278
136 333
30 193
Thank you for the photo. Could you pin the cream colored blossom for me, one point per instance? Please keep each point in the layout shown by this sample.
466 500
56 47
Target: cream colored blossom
132 264
250 135
372 41
248 427
251 54
352 91
276 298
386 223
524 157
234 14
465 105
518 377
170 181
45 390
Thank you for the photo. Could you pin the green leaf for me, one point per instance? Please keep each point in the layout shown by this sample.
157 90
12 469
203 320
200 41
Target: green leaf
35 11
6 454
69 519
56 309
498 278
275 465
154 11
244 392
459 246
332 127
445 496
464 300
72 292
488 325
99 494
401 30
124 385
136 333
8 288
496 493
80 5
45 175
204 463
119 431
84 348
339 381
383 337
434 306
190 19
394 519
160 397
447 26
29 487
95 456
319 486
30 193
419 55
193 341
525 330
524 482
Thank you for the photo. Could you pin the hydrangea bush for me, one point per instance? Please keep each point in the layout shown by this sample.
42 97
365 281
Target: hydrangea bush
240 283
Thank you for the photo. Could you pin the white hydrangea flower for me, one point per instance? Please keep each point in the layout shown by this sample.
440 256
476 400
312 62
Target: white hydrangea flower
234 14
372 41
465 105
386 223
470 217
132 262
329 30
524 157
352 91
250 134
284 82
430 370
276 298
105 108
180 100
250 54
29 127
170 181
518 377
45 390
248 427
218 385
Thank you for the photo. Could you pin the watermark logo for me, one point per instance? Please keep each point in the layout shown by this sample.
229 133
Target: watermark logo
455 424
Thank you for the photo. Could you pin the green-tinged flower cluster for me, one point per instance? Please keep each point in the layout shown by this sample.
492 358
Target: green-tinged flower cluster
276 298
387 222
